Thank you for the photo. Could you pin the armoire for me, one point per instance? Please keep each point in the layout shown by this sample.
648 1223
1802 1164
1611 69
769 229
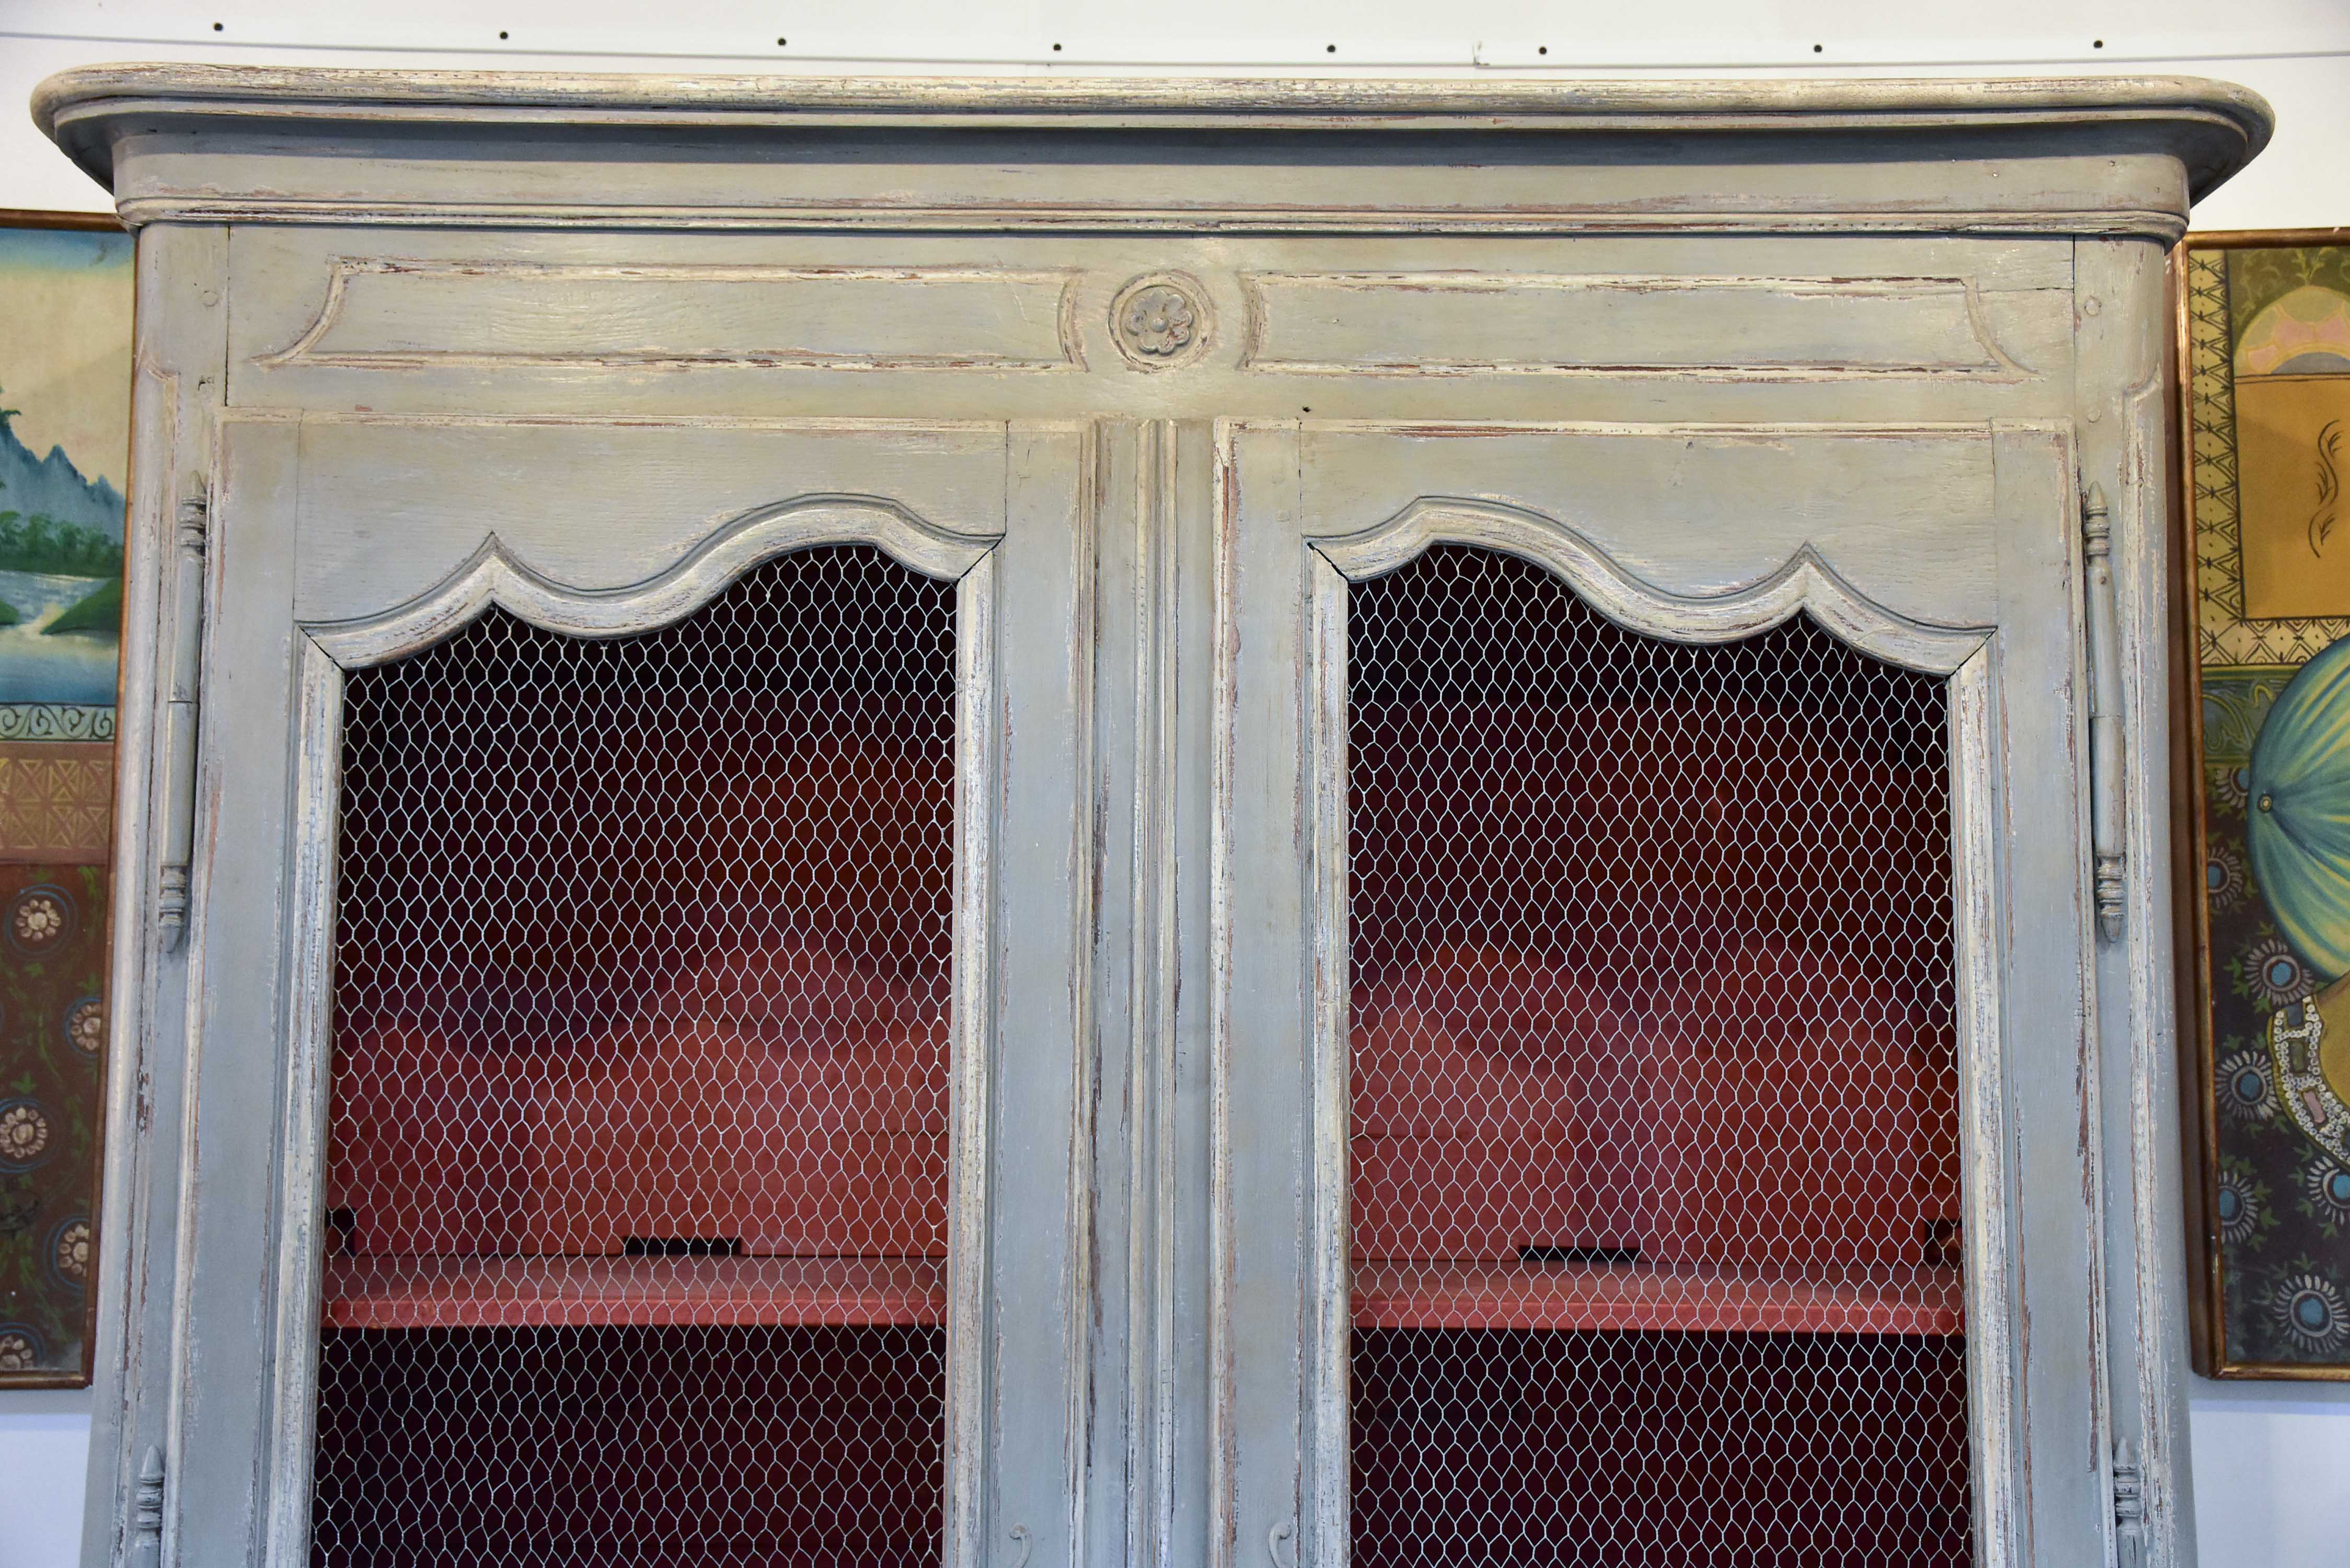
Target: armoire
1146 822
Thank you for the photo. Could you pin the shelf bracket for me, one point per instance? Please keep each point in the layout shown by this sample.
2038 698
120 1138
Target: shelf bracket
181 715
2106 738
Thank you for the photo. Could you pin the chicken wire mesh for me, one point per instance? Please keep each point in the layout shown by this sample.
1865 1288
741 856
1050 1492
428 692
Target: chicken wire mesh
1654 1140
638 1154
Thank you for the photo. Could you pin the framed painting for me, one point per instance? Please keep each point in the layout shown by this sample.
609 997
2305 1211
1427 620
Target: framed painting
2264 378
65 419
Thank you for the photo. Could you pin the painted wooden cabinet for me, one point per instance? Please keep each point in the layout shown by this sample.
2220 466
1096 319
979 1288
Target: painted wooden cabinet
1153 821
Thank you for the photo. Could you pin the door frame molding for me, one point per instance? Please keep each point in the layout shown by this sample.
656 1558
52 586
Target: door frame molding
1970 659
327 652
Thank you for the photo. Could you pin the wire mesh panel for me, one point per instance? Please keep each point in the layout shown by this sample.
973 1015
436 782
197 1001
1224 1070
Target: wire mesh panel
636 1166
1653 1139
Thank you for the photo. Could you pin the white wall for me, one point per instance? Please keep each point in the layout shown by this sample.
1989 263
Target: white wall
44 1448
2272 1461
2297 52
2272 1474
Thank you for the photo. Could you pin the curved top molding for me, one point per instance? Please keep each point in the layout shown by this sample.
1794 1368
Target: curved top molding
492 576
2213 128
1804 582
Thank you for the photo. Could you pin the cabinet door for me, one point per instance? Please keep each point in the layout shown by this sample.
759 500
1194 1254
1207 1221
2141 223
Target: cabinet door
1649 898
605 929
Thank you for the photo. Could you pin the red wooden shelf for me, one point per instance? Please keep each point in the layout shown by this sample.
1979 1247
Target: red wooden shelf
1637 1297
541 1291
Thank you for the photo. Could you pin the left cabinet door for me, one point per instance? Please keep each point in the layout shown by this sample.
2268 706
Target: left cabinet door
610 866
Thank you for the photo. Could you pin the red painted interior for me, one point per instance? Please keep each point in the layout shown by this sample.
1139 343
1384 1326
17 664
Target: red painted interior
636 1169
1654 1141
1662 1025
1673 1038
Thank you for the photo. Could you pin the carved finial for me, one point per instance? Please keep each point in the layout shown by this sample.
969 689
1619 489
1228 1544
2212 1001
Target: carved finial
2129 1507
2096 522
147 1502
2107 744
195 518
172 906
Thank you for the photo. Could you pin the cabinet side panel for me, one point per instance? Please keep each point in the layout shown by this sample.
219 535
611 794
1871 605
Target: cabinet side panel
2124 394
179 368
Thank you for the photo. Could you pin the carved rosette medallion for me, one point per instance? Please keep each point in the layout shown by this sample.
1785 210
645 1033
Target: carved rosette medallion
1160 321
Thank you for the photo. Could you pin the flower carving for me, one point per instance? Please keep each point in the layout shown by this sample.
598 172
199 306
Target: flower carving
1159 322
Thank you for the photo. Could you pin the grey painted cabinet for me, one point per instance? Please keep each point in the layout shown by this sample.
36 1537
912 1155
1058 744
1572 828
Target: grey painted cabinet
1153 821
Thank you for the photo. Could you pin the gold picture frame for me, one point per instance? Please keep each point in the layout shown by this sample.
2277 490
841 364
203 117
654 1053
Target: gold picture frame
2270 1254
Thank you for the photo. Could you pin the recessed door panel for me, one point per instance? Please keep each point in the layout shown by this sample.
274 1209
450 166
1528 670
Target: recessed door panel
640 948
636 1173
1655 1250
1625 949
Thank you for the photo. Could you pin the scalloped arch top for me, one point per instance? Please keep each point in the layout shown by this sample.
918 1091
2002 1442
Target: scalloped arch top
1804 582
493 574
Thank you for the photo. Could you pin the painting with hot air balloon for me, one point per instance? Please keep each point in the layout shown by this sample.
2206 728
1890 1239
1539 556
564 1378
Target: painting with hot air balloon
2265 374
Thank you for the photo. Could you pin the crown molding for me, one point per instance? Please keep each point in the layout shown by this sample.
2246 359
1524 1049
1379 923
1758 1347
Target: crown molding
2213 128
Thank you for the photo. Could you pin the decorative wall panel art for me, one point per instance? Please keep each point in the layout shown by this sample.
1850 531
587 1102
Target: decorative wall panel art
65 416
2265 368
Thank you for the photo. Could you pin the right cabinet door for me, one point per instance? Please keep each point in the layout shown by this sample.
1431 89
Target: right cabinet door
1650 930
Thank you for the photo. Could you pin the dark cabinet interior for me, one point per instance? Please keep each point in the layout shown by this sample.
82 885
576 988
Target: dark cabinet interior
637 1167
1654 1084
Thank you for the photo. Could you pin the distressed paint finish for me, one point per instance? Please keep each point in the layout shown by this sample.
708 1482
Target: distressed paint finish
589 347
2019 877
180 376
2120 297
2119 156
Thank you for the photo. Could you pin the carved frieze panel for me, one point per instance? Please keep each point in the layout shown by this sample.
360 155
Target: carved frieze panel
390 313
1567 324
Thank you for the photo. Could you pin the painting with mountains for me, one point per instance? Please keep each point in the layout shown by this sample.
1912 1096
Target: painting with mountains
64 441
60 577
64 438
